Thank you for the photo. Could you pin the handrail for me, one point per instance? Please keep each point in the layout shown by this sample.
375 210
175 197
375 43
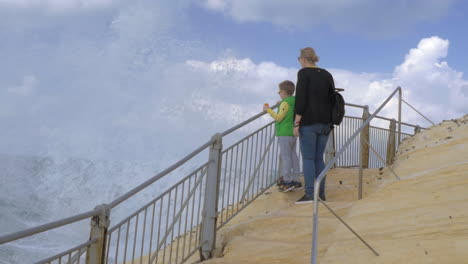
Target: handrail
403 123
39 229
355 105
79 247
327 168
417 112
234 128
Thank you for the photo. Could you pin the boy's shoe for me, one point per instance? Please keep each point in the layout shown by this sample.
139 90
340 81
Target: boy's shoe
305 199
297 185
286 187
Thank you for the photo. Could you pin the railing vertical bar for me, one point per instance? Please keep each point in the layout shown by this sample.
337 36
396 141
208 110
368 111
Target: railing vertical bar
239 177
348 161
143 235
259 150
106 260
198 233
251 186
237 171
260 179
180 219
223 193
277 160
79 256
126 240
246 176
343 131
167 223
350 158
247 169
357 142
233 181
345 154
265 166
267 178
371 139
377 141
260 173
152 232
252 166
135 237
186 219
381 147
229 179
117 247
159 229
267 163
69 257
173 219
193 213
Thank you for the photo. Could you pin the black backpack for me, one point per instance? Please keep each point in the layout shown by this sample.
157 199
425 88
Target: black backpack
338 108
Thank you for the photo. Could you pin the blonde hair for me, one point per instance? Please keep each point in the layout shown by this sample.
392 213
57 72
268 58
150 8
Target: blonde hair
287 86
309 55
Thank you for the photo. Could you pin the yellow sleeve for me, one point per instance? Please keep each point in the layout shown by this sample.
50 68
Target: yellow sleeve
283 109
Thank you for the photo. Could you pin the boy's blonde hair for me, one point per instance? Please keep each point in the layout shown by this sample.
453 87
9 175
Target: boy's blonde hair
287 86
309 55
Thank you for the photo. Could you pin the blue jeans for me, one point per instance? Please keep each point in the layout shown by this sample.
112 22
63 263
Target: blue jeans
313 139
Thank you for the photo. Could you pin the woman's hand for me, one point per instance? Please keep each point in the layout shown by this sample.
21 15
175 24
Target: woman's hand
296 131
265 107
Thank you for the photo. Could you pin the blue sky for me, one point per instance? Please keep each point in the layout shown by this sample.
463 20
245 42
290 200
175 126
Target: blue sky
100 78
355 49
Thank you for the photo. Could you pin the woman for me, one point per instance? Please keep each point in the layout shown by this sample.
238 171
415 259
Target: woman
312 124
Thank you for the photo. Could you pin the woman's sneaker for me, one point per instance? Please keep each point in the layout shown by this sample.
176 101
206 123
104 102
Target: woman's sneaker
305 199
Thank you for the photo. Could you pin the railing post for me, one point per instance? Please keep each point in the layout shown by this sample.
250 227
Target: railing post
363 150
330 148
365 136
210 205
391 143
99 225
400 99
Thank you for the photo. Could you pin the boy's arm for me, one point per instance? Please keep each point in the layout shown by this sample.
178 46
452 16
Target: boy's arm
283 109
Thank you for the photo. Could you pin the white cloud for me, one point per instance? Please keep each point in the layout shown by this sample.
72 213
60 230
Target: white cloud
365 16
428 83
58 5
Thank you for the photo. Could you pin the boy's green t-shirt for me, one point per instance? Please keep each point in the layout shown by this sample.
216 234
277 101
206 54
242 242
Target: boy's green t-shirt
285 127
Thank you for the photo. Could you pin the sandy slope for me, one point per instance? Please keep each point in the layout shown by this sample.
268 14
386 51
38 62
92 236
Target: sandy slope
421 219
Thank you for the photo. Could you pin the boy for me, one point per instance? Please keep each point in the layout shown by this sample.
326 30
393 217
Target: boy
286 140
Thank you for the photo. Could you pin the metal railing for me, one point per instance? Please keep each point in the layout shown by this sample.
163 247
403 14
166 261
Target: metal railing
185 217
